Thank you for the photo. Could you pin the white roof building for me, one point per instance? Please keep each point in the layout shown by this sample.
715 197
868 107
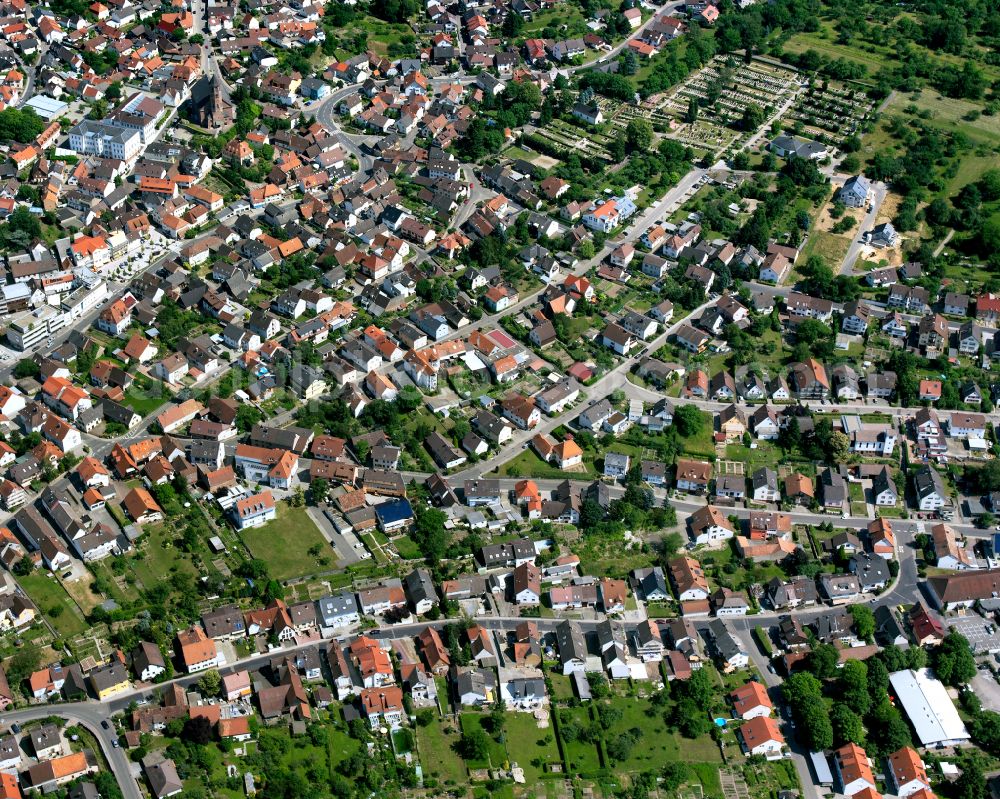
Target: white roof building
929 708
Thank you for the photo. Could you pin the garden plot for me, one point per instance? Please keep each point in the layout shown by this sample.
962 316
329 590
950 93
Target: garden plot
832 112
730 467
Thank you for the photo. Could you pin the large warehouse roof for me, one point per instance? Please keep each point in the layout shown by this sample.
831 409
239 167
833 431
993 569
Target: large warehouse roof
929 708
46 107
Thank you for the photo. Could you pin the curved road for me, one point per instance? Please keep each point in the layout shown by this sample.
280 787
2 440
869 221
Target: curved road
89 715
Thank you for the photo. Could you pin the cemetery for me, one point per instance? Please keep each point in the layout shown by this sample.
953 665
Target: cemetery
709 106
830 112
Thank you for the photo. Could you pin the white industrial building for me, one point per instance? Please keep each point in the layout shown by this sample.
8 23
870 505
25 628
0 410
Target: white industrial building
48 108
929 708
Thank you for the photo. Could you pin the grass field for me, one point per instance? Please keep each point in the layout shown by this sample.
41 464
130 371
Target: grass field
822 42
407 548
497 752
143 402
285 542
582 756
562 686
609 557
381 34
437 756
701 444
528 464
831 247
159 557
656 746
951 113
57 606
526 743
565 14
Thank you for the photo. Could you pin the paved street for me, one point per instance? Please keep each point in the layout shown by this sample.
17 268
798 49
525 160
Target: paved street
89 715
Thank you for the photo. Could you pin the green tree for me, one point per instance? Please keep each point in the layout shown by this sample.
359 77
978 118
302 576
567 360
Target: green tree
210 683
972 782
22 664
953 661
823 661
475 745
847 726
628 63
853 686
753 117
318 489
20 125
887 729
429 533
985 731
691 115
639 135
688 421
864 621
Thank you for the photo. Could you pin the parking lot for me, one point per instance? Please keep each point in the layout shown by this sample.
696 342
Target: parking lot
983 635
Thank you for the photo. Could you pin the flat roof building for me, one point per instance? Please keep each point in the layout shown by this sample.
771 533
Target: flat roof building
48 108
929 708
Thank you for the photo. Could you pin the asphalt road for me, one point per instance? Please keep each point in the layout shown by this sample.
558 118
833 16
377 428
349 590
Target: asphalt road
89 715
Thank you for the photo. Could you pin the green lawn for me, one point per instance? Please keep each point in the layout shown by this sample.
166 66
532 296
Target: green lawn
437 755
57 606
657 746
144 402
497 752
526 745
708 776
285 542
562 686
951 113
702 444
565 14
831 247
817 41
528 464
608 556
158 556
581 756
407 548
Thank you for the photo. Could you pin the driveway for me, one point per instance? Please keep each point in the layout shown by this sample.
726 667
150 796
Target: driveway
347 555
847 265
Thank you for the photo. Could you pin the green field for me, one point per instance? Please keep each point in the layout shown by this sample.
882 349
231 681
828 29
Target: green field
821 42
702 444
145 402
284 543
657 746
582 757
528 464
528 745
159 557
565 14
57 606
437 755
497 752
831 247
